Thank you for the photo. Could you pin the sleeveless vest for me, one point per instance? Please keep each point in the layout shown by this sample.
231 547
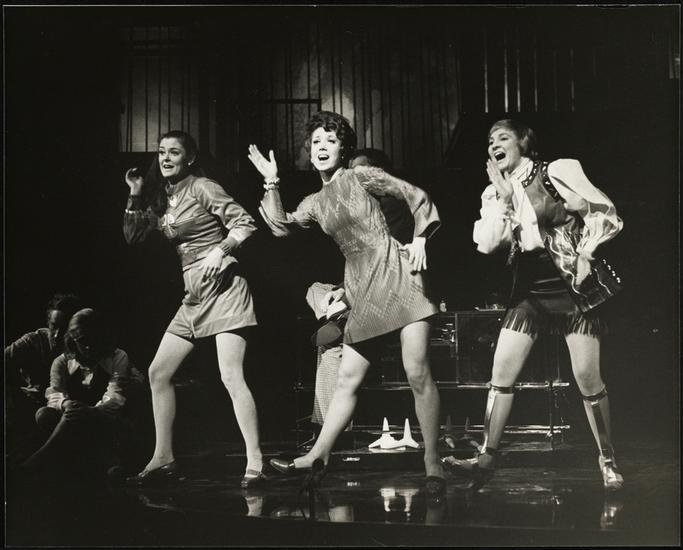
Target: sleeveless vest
561 234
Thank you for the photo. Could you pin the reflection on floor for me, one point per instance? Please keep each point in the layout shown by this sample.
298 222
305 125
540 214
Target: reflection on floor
558 500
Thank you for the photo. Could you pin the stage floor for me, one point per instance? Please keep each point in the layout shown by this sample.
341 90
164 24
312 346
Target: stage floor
540 496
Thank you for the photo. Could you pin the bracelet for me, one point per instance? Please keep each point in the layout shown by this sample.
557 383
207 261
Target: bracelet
274 180
271 186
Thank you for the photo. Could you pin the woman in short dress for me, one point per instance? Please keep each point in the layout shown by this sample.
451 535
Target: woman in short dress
206 225
383 279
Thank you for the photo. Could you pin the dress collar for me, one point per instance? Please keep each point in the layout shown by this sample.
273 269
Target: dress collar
334 176
174 188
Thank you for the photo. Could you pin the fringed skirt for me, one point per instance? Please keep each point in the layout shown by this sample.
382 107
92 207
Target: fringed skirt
542 303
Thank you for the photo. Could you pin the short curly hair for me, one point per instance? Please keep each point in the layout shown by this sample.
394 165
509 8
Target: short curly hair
65 302
527 137
333 122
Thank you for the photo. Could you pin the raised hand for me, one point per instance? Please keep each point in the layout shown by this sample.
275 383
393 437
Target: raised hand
501 182
267 168
417 255
134 181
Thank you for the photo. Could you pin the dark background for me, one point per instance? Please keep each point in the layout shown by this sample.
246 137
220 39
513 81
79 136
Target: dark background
64 192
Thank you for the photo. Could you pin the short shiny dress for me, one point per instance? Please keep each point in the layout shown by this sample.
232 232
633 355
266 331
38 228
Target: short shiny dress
200 217
384 293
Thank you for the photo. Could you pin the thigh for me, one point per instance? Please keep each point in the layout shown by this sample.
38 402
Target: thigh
231 348
353 366
512 351
171 353
584 351
415 343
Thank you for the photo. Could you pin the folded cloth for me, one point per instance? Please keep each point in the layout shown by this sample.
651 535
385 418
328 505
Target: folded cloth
331 332
314 296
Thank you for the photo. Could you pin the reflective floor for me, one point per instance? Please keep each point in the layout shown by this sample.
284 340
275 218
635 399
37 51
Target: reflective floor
557 501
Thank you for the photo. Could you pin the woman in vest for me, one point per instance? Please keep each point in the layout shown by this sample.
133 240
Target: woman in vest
552 219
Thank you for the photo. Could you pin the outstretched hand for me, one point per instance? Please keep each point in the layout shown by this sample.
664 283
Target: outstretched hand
417 255
267 168
501 182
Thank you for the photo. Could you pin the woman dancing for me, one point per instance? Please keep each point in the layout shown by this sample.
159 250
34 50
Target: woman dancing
206 225
382 278
553 219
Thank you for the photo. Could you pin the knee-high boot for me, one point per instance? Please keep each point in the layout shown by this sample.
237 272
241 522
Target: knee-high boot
498 407
597 411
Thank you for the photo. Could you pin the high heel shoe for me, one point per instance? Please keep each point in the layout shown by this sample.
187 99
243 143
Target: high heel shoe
611 477
253 478
157 476
287 467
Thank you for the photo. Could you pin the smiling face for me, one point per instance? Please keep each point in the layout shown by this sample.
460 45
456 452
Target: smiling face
326 151
504 149
173 159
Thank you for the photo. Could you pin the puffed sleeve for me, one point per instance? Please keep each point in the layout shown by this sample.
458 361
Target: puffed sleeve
114 397
138 223
597 211
283 223
378 182
56 392
237 221
494 227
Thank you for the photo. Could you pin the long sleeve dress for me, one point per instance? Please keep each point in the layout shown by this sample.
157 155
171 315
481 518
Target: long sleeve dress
383 292
199 217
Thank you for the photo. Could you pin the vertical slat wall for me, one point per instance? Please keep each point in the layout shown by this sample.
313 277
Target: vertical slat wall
403 84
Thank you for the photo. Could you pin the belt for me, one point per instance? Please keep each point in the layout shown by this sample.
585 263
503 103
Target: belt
190 255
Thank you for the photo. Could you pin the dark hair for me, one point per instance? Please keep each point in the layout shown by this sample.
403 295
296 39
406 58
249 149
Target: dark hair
375 157
333 122
90 323
526 136
67 303
154 189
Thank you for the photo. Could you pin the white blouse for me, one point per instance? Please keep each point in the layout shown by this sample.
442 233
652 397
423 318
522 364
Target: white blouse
498 220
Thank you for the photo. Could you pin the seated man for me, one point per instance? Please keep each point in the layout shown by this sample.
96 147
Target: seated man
27 368
87 392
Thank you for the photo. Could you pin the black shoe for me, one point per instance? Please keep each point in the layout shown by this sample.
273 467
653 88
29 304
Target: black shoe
253 478
287 467
158 476
470 467
435 486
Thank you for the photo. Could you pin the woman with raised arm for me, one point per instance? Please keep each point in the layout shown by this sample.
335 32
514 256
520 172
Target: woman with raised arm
552 219
383 279
206 225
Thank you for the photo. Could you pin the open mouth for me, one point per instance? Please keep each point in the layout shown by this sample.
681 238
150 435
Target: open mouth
323 158
499 155
167 166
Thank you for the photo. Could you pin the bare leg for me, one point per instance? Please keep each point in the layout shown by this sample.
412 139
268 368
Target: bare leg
414 343
231 348
171 353
351 373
